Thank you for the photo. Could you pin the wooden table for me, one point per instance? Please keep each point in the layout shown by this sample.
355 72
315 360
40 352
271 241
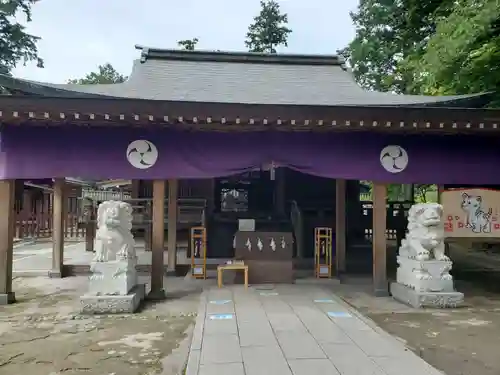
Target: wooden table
222 268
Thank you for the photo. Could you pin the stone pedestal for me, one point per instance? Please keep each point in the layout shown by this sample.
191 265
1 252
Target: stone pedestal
425 283
423 276
8 298
419 299
113 285
429 275
113 288
116 277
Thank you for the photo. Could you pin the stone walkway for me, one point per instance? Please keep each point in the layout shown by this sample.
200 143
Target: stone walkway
292 329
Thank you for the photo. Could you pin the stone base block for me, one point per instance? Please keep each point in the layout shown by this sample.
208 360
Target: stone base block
418 299
55 274
6 299
113 304
113 277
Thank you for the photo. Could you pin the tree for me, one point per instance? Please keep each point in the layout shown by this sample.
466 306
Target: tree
463 55
269 29
188 44
105 74
388 32
15 44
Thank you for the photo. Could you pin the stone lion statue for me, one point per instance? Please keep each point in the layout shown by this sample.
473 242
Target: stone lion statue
114 238
425 237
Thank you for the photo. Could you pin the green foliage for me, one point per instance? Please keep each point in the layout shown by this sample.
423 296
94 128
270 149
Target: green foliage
387 32
419 193
431 47
15 44
269 29
463 56
105 74
188 44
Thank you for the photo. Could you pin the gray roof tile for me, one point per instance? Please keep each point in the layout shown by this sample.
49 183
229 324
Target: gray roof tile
235 81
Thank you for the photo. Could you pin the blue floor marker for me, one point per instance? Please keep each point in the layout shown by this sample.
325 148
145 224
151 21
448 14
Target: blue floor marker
339 314
323 300
221 316
220 302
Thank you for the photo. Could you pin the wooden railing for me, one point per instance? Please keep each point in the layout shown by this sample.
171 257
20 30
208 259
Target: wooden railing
39 226
189 210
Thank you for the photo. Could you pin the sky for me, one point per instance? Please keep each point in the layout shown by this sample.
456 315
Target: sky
77 38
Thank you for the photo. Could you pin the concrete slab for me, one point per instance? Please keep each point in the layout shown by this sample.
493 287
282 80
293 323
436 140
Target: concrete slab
217 327
286 322
222 369
290 334
298 345
312 366
222 348
265 360
349 359
252 334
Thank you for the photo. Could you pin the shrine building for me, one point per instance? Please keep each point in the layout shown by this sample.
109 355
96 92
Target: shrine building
209 139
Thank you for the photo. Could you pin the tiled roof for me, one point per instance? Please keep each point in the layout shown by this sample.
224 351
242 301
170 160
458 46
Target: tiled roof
246 78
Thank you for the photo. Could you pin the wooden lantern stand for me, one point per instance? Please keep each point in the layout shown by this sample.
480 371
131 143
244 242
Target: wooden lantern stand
199 252
323 238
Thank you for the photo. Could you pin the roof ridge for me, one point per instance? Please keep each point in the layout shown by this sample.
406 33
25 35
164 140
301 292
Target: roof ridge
239 57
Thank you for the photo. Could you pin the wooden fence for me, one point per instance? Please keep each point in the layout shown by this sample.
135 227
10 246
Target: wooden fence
38 226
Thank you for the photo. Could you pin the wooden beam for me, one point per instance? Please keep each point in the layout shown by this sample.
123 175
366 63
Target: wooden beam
173 186
379 239
58 216
340 225
7 220
158 229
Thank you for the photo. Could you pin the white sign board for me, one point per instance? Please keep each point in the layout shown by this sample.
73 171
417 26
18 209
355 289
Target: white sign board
246 225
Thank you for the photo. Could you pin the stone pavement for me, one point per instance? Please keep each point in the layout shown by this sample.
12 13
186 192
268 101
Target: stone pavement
292 329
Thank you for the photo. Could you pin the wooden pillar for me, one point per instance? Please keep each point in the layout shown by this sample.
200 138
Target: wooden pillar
58 216
134 190
211 200
440 189
379 239
340 224
158 230
89 221
7 219
280 192
173 186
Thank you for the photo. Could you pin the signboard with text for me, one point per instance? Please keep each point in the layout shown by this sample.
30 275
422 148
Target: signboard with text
471 213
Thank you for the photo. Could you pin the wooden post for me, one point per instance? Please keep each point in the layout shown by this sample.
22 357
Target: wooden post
7 220
211 196
173 186
280 191
134 190
379 239
89 221
340 225
58 213
440 189
157 248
